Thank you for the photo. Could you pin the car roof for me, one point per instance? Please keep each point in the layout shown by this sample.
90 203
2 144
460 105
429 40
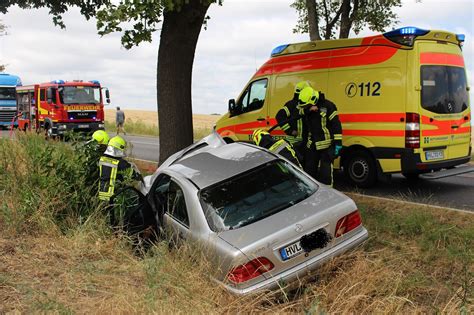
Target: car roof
214 165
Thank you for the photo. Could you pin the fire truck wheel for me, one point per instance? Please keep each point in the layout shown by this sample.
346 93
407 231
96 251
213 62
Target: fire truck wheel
361 169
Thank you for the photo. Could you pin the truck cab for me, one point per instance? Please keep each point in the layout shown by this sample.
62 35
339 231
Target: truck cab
8 84
62 106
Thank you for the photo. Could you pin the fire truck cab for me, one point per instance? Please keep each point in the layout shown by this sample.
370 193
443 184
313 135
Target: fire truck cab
59 106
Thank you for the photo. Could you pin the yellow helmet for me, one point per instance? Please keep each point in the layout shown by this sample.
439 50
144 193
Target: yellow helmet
308 97
257 135
300 86
118 143
101 137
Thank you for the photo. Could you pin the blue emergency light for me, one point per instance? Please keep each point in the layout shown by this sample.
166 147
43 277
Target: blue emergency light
460 37
405 35
279 49
95 82
57 82
408 30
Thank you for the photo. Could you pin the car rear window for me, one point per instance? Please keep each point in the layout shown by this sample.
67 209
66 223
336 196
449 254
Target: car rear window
254 195
444 89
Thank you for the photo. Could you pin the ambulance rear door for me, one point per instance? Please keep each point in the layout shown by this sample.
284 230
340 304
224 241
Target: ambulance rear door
444 102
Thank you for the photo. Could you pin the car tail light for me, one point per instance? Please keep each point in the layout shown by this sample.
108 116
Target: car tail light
250 270
348 223
412 131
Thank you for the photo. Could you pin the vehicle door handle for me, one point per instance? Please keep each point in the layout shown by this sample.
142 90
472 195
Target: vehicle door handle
454 127
466 117
260 119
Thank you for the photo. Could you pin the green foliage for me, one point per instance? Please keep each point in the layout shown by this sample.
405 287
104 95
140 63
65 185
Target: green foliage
141 18
43 185
377 15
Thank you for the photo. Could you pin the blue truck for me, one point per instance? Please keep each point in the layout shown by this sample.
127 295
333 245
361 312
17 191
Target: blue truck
8 84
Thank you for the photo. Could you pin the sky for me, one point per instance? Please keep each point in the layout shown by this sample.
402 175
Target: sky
239 38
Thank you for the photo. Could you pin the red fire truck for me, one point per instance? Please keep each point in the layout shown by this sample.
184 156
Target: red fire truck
60 106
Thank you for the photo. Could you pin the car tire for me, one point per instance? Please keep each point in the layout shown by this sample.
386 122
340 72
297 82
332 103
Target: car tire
361 169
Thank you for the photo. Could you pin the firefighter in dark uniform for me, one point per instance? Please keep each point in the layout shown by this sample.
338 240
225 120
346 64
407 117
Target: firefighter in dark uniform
114 170
263 139
288 120
93 150
322 134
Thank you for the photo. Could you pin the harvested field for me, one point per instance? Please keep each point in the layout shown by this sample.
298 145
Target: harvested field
148 117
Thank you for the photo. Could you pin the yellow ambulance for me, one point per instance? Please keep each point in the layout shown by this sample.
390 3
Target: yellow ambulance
402 98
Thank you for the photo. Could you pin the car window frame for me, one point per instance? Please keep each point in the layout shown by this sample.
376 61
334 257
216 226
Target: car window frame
186 225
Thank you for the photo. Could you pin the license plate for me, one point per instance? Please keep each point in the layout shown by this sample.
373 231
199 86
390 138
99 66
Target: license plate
434 155
83 126
291 251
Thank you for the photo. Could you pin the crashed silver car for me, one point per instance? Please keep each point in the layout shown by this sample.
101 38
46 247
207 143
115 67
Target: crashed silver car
264 221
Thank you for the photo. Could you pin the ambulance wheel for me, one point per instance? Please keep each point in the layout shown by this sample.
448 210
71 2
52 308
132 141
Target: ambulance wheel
361 169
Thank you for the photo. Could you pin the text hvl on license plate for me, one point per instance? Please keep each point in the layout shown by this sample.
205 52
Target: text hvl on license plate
291 251
434 155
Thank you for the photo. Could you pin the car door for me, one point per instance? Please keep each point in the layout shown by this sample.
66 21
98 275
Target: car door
168 201
130 212
176 218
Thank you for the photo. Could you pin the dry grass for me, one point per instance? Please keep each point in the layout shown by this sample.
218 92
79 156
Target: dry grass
401 269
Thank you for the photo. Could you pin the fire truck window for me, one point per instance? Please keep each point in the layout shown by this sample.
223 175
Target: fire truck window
254 97
42 95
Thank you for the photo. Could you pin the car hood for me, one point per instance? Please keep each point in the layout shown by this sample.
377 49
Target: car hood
322 208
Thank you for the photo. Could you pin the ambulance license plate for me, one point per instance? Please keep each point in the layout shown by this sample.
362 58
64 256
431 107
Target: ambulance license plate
434 155
291 251
83 126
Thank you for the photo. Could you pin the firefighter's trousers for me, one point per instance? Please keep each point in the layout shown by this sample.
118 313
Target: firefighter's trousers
318 164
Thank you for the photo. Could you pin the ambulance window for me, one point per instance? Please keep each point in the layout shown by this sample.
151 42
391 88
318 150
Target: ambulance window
444 89
254 96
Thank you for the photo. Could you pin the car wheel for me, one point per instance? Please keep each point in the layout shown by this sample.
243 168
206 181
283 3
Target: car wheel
361 170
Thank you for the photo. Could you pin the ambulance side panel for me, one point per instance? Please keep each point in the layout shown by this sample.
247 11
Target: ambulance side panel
371 102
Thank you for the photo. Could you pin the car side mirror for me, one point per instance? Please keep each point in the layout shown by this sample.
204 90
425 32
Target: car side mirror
107 96
232 107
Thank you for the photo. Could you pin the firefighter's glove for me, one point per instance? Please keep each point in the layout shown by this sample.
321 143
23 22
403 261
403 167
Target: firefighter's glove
337 150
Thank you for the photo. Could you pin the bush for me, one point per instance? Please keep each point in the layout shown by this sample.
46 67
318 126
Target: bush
42 185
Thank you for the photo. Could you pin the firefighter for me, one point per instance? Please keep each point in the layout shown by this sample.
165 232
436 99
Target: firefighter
93 150
288 120
322 134
114 170
263 139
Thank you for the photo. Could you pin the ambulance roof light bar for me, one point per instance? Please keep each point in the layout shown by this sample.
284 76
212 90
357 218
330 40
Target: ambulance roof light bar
405 35
278 49
57 82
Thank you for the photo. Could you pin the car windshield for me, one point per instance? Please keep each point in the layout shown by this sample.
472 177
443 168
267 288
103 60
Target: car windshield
254 195
444 89
7 93
79 94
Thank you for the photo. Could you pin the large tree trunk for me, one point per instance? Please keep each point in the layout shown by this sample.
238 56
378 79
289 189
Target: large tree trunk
346 22
179 37
313 20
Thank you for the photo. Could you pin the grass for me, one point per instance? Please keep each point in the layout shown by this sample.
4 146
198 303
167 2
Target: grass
416 260
138 127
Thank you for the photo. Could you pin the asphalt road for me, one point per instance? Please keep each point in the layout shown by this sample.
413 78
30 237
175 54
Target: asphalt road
455 192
